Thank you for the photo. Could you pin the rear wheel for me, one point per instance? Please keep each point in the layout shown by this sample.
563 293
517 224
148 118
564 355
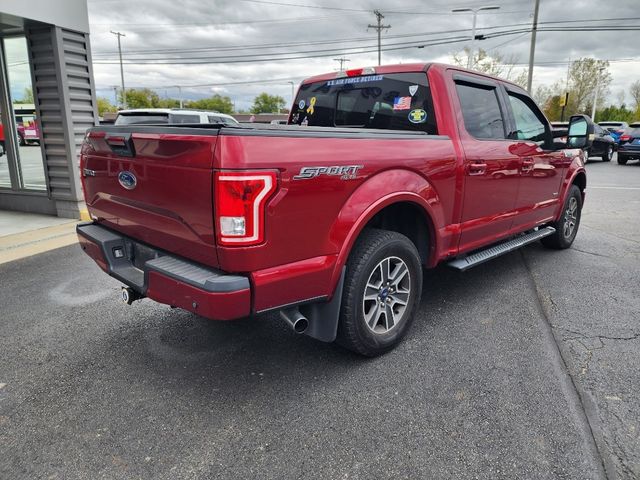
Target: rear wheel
608 154
382 290
568 223
622 160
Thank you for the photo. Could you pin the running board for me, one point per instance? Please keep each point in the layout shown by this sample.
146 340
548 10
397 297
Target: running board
490 253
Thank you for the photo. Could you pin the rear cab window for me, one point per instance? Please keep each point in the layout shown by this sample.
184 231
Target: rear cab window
400 101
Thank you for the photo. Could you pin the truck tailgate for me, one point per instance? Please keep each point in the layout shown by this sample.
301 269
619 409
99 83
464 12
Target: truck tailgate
155 186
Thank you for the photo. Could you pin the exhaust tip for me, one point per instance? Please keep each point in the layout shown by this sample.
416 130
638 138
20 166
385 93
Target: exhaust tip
300 326
298 322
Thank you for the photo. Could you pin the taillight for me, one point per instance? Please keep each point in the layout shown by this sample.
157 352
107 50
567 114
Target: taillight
240 199
625 138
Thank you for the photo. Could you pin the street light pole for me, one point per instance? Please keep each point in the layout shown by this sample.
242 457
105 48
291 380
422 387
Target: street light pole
124 95
473 28
532 49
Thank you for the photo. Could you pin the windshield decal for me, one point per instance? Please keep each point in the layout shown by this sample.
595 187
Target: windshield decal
402 103
346 81
417 116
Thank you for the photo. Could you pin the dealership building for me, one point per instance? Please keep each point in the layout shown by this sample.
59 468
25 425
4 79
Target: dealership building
47 102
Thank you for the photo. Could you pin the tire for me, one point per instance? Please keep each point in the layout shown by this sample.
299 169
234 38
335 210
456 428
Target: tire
622 160
567 226
21 141
608 154
375 251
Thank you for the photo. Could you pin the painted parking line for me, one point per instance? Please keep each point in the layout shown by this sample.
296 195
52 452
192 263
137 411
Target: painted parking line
611 187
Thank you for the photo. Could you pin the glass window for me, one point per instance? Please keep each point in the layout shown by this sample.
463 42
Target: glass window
528 125
184 118
400 101
28 132
143 118
481 111
5 179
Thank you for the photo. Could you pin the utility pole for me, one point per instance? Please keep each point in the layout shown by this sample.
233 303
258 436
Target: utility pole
180 96
293 98
532 49
379 27
342 61
124 95
595 94
473 28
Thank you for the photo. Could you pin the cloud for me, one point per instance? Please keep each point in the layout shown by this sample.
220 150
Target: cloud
162 31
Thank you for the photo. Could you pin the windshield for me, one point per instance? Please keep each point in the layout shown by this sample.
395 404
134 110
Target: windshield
141 118
400 101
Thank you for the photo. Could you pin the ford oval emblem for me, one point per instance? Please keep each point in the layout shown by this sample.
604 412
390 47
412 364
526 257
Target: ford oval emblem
128 180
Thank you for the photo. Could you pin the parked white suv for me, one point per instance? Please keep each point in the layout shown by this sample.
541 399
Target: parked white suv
155 116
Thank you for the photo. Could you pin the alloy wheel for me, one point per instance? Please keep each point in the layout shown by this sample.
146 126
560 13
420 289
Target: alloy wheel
570 218
386 295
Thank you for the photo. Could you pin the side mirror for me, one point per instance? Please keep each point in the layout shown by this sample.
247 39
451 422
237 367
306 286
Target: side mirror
581 132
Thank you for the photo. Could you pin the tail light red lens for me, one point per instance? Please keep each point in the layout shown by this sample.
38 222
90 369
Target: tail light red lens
240 199
625 138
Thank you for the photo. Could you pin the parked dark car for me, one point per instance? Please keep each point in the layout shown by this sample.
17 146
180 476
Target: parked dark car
603 144
616 129
629 148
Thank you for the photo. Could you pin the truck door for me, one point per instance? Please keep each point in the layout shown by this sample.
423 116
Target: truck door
541 165
491 168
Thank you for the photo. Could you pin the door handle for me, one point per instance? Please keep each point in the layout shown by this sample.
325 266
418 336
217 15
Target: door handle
527 164
477 168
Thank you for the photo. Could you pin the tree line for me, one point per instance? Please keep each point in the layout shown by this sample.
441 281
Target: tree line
148 98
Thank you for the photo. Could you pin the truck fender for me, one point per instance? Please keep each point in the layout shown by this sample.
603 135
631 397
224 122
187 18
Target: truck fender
575 173
374 195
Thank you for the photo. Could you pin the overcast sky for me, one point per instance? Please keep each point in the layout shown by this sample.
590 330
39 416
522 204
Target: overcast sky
160 34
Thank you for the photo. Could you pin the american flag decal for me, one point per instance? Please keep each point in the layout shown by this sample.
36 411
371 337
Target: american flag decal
402 103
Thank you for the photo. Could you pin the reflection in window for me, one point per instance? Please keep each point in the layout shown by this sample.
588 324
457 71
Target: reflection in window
5 181
27 126
481 111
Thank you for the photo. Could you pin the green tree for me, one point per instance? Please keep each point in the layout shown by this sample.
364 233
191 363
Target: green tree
583 77
104 106
141 98
218 103
265 103
27 96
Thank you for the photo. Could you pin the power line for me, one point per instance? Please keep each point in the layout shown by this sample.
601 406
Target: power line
289 55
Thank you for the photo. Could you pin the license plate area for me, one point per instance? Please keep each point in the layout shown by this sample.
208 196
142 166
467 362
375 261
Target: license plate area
139 254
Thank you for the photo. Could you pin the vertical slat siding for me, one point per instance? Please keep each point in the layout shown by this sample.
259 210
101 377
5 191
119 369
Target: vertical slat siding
65 100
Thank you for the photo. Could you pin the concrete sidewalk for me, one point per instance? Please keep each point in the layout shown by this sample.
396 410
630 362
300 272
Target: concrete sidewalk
25 234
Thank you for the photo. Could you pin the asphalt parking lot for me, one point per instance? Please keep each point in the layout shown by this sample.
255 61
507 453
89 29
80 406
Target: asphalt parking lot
524 367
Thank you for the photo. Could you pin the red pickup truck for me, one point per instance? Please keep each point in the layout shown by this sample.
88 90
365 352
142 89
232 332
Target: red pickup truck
330 219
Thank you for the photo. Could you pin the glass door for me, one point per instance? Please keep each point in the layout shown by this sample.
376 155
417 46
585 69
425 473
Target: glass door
21 165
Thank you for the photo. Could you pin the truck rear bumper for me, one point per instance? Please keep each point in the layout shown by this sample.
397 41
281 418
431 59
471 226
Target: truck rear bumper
165 278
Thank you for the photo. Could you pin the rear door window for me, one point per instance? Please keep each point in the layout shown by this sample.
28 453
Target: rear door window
481 111
400 101
173 118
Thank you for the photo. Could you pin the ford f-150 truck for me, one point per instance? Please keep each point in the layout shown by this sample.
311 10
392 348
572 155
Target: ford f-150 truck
329 220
